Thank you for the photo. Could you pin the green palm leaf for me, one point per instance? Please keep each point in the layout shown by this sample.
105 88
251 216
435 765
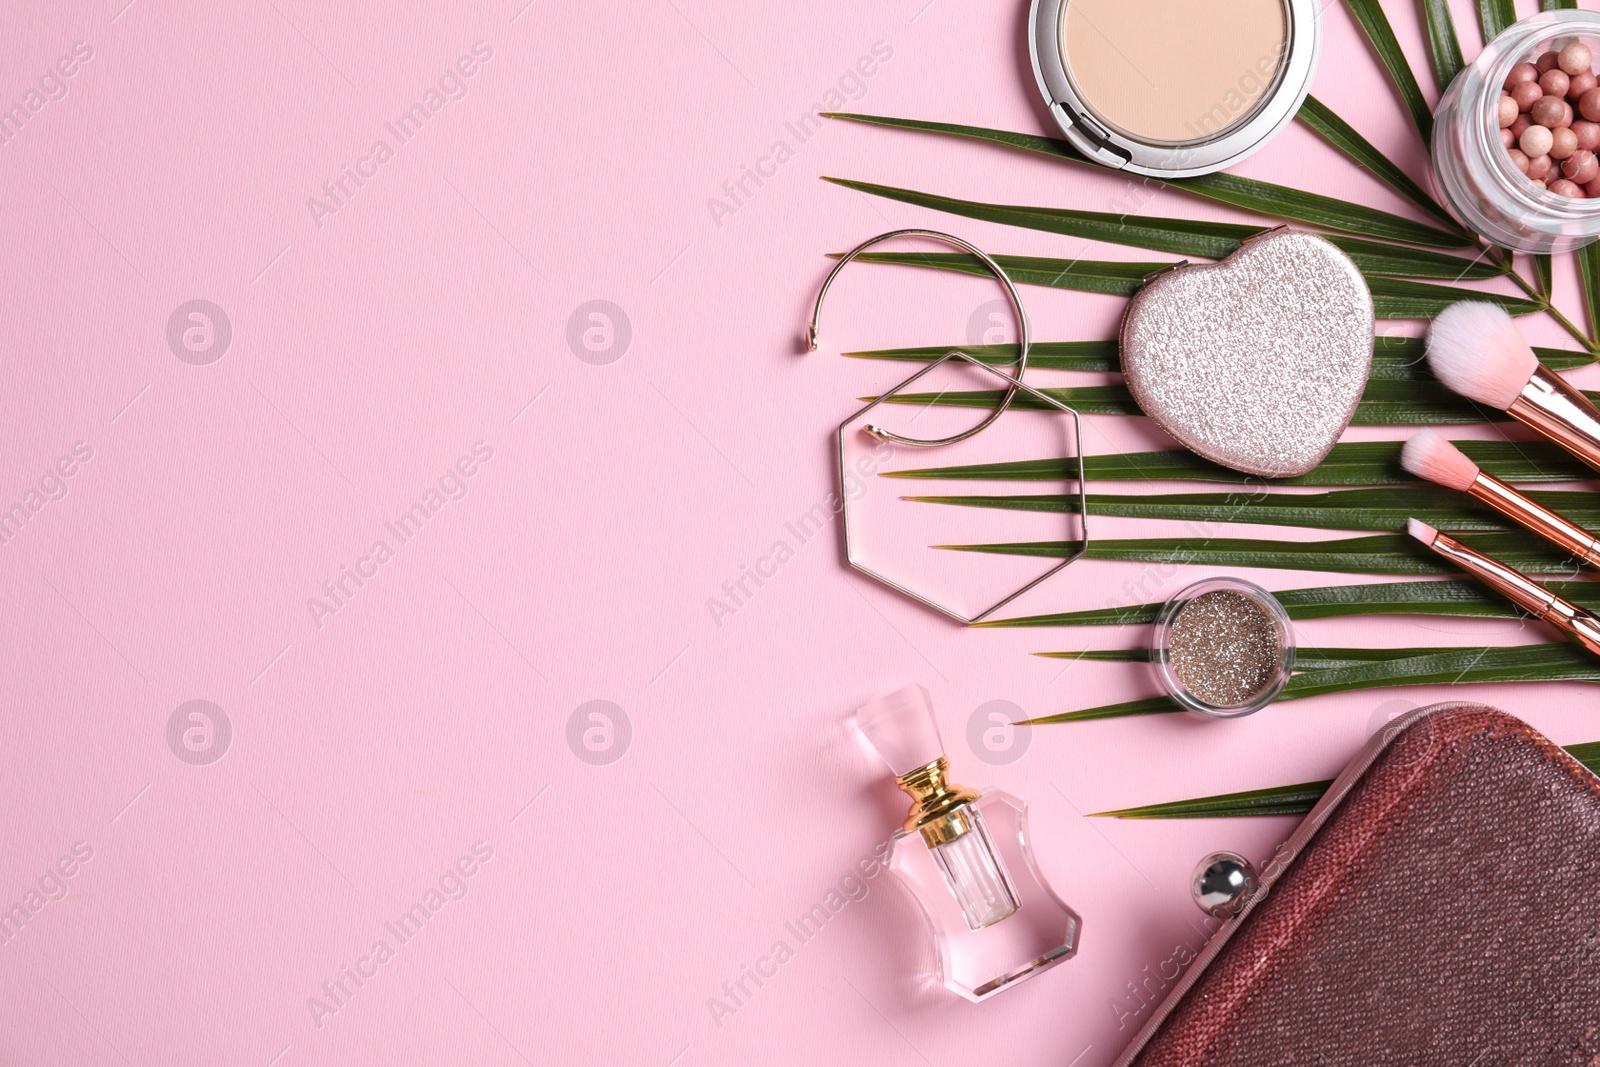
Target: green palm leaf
1086 399
1444 666
1114 278
1283 799
1383 508
1557 5
1376 259
1042 355
1369 14
1184 237
1444 48
1383 403
1265 198
1589 273
1494 16
1305 659
1392 298
1276 800
1371 554
1349 463
1452 597
1393 358
1339 133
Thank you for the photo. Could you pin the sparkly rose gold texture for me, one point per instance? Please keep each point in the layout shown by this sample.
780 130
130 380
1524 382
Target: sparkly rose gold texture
1256 362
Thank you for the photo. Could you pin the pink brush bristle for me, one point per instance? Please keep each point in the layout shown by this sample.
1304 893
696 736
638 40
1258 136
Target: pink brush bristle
1421 531
1428 455
1476 350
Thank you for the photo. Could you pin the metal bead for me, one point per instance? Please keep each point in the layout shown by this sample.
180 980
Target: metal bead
1222 882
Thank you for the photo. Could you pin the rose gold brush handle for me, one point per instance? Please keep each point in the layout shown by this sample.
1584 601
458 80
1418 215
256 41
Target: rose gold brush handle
1582 626
1561 413
1523 591
1536 518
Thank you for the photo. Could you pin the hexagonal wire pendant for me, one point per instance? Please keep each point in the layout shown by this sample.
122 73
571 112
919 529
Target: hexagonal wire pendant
1013 384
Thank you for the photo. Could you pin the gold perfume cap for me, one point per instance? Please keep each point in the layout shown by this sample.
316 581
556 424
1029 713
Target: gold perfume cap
939 806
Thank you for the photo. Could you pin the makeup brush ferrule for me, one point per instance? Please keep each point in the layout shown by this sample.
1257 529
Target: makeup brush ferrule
1561 413
1583 627
1535 517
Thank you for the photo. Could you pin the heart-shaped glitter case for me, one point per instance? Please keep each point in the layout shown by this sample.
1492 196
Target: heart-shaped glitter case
1256 362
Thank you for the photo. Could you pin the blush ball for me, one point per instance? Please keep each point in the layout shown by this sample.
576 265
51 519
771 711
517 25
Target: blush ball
1589 105
1562 187
1546 111
1563 142
1588 134
1555 82
1574 58
1508 111
1519 159
1526 94
1546 62
1581 83
1581 167
1541 167
1522 72
1536 141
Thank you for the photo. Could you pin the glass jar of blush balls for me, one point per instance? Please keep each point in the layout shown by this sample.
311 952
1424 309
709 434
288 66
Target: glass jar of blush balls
1516 136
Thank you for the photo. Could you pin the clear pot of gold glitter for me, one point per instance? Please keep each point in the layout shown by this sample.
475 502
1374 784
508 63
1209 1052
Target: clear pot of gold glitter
1173 88
1223 647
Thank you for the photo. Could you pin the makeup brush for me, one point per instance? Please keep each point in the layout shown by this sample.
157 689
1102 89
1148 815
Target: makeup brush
1428 455
1476 350
1517 587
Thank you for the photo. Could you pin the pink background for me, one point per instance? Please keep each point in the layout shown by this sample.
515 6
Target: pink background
372 346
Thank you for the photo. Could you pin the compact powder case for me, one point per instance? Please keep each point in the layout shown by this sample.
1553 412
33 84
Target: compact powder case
1173 88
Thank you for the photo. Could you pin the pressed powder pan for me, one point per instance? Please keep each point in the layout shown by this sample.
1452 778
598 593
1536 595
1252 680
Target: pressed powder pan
1173 88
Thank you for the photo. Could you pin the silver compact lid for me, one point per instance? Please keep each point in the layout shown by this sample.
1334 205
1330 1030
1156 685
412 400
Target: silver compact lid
1226 113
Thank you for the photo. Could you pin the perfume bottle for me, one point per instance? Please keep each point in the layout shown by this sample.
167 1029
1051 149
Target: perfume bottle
965 857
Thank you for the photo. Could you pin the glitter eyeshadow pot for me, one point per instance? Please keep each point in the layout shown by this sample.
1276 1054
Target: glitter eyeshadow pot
1173 88
1223 648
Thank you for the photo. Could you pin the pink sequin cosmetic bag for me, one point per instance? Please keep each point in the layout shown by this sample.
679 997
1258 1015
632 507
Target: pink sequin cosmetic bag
1439 906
